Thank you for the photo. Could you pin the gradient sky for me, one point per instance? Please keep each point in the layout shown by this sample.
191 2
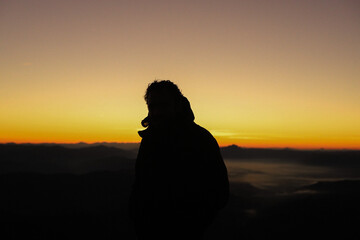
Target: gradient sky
257 73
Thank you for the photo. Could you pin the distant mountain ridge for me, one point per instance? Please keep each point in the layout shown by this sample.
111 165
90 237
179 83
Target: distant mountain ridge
125 146
84 157
59 159
328 157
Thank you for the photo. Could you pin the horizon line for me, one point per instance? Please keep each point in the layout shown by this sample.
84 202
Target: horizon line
221 146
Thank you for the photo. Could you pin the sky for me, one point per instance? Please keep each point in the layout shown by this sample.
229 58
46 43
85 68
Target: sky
257 73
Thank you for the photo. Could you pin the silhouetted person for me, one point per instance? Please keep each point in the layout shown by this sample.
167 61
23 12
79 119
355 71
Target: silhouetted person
181 180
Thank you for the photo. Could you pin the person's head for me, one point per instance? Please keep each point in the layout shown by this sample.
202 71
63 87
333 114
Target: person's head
163 99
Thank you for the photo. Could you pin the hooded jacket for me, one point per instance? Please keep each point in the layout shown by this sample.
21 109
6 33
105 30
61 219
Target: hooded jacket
180 176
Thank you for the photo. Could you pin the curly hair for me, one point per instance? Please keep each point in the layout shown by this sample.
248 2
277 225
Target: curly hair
163 85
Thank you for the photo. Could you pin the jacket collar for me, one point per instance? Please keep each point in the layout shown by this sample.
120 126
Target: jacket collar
185 117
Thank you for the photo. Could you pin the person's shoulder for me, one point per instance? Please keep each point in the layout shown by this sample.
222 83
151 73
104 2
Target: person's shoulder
200 130
203 133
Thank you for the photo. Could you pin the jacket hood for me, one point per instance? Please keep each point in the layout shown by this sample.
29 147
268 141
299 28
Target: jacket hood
184 115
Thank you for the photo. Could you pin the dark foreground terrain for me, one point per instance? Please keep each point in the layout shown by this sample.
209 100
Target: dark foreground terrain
73 201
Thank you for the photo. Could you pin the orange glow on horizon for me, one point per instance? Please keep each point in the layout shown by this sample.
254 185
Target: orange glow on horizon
243 145
328 145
